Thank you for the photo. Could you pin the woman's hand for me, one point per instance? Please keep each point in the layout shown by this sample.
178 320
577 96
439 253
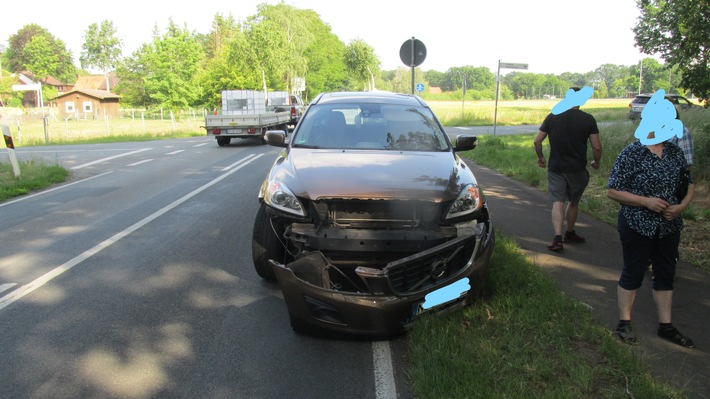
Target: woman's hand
657 205
672 212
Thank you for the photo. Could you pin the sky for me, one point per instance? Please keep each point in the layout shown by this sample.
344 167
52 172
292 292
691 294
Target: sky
550 36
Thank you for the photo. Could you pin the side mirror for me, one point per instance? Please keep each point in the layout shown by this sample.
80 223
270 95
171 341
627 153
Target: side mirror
276 138
465 143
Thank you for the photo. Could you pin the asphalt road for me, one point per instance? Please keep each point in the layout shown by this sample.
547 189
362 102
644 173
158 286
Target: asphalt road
135 280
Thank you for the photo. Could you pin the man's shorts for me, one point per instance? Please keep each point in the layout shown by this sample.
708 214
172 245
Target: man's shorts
562 187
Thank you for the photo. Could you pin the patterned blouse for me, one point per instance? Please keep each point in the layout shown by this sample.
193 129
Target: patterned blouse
639 171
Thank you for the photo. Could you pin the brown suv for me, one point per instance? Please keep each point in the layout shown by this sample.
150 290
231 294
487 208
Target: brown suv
369 219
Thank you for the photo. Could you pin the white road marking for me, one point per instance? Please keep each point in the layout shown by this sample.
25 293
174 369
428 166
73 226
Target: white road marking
140 162
175 152
200 145
5 287
61 269
385 387
109 158
54 189
237 163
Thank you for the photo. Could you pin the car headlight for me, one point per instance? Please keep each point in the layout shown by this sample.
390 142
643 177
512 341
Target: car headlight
469 200
280 197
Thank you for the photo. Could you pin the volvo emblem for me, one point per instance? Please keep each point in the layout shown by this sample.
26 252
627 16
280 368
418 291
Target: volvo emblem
439 267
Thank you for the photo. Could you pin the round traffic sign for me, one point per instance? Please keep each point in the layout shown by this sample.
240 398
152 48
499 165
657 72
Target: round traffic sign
412 52
420 87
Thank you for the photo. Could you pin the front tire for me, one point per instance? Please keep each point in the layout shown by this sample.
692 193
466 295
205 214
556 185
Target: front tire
265 244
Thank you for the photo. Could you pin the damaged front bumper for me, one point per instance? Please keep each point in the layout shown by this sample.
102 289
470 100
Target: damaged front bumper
386 301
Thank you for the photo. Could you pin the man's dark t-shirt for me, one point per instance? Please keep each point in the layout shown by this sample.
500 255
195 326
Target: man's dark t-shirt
568 133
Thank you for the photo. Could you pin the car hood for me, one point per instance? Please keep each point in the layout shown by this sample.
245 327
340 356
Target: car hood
361 174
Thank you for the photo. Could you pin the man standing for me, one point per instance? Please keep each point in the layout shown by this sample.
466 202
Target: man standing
569 129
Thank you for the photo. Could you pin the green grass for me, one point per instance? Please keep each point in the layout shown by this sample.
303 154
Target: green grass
31 130
34 175
514 156
512 113
526 339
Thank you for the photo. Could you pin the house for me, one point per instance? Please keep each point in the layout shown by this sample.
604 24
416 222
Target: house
87 104
96 82
30 99
89 98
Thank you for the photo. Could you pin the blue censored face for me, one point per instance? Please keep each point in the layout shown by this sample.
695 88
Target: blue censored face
658 117
573 99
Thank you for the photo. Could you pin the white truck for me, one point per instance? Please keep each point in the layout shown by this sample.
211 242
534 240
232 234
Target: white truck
247 114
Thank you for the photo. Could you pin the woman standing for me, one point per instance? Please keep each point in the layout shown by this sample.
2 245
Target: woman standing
644 180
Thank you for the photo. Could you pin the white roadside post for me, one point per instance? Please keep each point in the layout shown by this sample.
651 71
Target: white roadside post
10 150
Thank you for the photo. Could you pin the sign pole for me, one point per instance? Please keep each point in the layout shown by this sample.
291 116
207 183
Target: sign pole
412 53
508 65
37 88
495 114
412 63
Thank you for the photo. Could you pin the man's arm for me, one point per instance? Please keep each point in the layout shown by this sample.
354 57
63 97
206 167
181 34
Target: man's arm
539 138
596 150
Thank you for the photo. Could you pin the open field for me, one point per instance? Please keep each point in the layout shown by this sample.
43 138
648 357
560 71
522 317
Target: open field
519 112
28 129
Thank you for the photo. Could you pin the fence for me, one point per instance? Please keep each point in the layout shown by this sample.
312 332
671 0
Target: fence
32 127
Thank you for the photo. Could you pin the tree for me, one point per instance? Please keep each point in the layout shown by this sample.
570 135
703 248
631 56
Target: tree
59 61
164 72
678 31
325 69
435 78
269 46
609 74
174 63
40 57
229 64
101 48
361 61
223 30
651 72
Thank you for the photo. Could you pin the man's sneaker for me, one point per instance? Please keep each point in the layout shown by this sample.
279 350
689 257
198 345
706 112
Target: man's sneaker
571 237
556 246
676 337
626 334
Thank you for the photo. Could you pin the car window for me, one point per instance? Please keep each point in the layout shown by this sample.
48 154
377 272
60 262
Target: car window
641 100
371 126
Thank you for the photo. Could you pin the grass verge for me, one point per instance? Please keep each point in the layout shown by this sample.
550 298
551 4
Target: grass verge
514 156
34 175
524 339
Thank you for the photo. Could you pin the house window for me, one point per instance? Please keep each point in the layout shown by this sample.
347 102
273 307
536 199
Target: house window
69 107
87 106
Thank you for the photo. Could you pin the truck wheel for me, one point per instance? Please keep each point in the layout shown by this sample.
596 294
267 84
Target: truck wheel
265 244
222 141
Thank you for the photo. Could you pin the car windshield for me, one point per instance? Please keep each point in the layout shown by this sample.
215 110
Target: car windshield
370 126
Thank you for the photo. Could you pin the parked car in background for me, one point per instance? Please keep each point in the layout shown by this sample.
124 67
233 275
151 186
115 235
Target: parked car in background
368 217
295 107
639 102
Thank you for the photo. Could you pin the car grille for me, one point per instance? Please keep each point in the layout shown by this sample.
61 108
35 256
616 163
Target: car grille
423 270
383 213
